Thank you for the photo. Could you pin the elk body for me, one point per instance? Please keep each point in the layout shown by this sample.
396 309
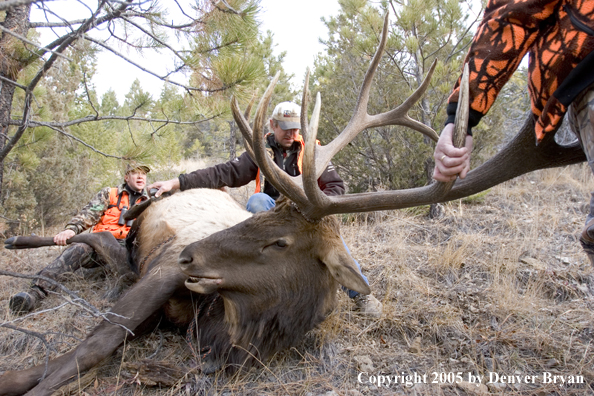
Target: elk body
249 290
255 285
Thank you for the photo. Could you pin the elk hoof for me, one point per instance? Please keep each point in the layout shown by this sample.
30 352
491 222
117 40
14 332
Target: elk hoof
9 243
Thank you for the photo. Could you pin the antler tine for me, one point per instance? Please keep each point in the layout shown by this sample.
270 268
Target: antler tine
244 127
398 199
463 110
361 106
304 106
318 200
248 109
399 115
361 120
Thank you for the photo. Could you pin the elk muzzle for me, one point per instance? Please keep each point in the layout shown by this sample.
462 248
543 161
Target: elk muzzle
200 279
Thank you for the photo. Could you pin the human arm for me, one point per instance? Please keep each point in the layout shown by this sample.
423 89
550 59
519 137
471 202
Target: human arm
235 173
505 34
90 214
508 30
330 182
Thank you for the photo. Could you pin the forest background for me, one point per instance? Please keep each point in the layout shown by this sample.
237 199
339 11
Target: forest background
60 142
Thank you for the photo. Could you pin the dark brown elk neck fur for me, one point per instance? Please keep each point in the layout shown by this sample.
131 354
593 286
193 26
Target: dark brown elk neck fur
260 316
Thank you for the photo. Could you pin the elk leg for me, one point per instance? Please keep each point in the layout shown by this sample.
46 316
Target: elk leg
138 305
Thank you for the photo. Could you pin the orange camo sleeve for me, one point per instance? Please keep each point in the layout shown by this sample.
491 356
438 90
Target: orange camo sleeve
506 33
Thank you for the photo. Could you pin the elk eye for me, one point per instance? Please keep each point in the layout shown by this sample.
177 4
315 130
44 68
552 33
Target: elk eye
281 243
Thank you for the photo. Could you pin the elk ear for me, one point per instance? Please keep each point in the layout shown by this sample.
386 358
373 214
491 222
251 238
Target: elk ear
343 268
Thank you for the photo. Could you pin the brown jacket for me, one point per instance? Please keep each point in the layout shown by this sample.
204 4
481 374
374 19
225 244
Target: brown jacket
242 170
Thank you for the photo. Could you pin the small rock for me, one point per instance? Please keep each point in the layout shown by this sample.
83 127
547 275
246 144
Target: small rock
497 387
551 363
331 393
474 389
564 260
364 364
534 263
415 346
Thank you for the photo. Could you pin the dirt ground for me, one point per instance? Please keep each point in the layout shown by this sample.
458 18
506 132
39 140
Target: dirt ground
497 289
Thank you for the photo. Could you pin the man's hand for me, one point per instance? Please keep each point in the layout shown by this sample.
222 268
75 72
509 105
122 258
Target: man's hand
164 186
450 161
61 238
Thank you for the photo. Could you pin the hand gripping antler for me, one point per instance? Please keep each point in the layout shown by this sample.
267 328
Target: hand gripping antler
312 202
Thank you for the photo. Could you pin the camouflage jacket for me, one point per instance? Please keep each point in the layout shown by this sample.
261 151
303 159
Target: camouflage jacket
558 35
94 210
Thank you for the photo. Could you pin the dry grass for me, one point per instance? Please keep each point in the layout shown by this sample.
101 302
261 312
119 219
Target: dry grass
499 284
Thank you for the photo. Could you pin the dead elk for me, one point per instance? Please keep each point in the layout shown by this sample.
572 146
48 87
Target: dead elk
248 291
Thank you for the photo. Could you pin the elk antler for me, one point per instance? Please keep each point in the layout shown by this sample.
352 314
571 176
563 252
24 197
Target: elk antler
305 193
520 156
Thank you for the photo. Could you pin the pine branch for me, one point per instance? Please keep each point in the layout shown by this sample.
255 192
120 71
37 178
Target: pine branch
152 73
90 118
56 24
25 40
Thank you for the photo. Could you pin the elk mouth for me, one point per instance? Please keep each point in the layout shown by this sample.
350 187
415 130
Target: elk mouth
203 285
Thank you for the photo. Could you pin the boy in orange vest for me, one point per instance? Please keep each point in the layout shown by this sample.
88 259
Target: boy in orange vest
103 213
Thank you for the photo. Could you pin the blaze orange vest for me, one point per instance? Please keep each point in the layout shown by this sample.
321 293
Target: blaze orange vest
109 221
299 139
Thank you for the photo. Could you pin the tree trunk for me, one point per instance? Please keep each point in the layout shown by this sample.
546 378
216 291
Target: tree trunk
232 140
11 63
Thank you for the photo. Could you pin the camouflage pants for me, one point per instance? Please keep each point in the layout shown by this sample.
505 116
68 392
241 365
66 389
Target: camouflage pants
581 120
75 256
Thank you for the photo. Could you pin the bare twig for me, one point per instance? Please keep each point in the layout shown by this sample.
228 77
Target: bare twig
88 95
56 24
16 84
35 124
40 336
152 36
9 220
76 300
152 73
63 132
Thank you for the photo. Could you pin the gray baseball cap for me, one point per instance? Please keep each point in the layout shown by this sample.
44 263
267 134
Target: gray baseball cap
288 115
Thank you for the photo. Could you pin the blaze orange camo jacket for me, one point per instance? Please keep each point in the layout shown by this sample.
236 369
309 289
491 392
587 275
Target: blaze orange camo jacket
559 36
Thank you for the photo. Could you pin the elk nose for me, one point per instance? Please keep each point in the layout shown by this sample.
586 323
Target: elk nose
185 259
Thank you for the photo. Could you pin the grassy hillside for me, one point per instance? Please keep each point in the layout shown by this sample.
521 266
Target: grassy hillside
497 288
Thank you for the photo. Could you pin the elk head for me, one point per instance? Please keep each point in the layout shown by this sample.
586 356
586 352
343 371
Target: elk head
279 247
